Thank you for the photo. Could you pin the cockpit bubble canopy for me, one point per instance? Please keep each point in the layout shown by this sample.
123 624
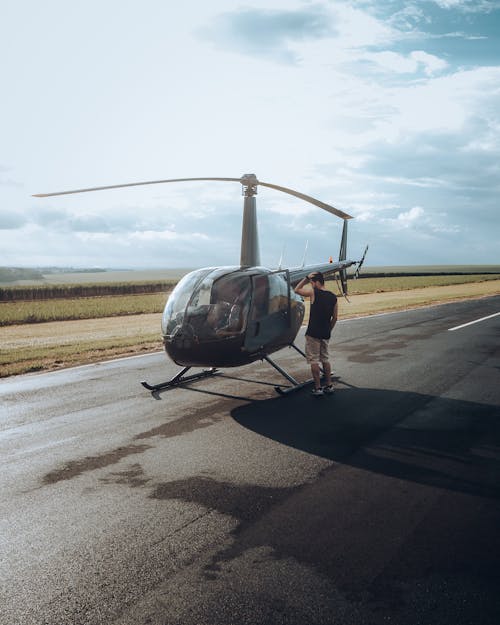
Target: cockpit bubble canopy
208 303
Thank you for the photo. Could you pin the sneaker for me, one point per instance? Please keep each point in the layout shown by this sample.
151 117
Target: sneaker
317 392
328 390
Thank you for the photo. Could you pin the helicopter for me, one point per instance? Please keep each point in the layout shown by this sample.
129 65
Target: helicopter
218 317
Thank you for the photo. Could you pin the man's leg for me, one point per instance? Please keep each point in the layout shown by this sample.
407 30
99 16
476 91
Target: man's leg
316 374
313 357
325 361
327 370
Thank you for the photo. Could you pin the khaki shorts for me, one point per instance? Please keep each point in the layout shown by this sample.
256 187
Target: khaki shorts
316 350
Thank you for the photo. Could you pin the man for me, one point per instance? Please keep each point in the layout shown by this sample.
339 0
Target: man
322 319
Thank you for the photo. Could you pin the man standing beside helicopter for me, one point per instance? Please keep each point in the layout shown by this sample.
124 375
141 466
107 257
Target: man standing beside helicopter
322 319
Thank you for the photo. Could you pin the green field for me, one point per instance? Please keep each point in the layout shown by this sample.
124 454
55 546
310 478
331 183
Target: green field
74 303
10 276
431 269
79 308
92 329
403 283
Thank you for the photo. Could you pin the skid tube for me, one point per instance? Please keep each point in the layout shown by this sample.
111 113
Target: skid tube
179 379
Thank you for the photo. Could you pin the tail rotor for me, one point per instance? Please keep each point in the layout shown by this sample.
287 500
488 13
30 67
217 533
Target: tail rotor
343 256
360 264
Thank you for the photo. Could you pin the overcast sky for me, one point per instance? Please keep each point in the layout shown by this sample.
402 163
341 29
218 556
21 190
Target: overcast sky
388 110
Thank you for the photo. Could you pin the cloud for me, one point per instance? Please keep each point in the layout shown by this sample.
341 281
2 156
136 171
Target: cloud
408 218
406 64
269 32
431 63
469 6
10 220
6 181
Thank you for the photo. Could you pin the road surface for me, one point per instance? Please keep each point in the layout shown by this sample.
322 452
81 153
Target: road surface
223 503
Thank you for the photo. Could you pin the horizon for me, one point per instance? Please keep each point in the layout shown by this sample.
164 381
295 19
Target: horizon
75 269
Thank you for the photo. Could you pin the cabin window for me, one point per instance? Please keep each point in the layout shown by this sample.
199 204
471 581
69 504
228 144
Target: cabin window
173 315
229 304
278 293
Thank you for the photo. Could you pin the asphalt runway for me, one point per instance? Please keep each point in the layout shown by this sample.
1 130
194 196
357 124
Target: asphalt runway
224 503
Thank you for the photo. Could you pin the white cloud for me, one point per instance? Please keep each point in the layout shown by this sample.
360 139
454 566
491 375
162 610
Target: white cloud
409 64
408 218
469 6
268 32
431 63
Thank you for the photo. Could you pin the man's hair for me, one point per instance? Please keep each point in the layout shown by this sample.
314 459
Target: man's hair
318 277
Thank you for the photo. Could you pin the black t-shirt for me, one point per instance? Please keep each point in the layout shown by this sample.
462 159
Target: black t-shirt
320 314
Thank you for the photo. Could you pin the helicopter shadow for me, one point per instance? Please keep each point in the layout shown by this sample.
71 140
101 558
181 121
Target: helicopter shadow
446 443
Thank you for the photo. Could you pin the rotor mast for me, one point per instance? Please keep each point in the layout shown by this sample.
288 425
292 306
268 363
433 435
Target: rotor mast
250 254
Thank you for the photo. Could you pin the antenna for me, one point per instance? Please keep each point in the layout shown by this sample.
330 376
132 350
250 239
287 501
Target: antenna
282 256
305 252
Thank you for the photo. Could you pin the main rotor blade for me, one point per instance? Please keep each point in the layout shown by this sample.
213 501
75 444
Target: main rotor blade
308 198
243 180
132 184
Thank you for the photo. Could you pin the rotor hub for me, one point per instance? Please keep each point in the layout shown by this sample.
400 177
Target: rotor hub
249 183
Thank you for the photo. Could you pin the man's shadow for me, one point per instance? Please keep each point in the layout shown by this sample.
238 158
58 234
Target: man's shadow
447 443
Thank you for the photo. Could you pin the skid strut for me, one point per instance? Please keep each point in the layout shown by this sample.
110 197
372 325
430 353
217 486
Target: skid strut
179 379
295 385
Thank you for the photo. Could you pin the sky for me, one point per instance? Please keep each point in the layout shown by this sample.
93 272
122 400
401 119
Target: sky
388 110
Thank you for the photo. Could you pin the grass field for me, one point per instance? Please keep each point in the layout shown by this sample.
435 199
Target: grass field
48 346
52 345
38 277
26 277
403 283
80 308
39 311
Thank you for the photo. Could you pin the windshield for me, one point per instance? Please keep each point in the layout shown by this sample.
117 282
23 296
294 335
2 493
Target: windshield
208 304
173 315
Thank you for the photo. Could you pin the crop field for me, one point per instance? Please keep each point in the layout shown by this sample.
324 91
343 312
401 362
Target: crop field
44 346
394 270
15 276
41 334
80 308
10 276
403 283
36 310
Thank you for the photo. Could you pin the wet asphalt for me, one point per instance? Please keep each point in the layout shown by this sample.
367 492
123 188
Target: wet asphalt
224 503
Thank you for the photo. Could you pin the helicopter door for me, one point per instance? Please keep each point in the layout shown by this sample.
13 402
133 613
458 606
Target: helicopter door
269 319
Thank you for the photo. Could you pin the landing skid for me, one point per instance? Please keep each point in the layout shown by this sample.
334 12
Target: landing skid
179 379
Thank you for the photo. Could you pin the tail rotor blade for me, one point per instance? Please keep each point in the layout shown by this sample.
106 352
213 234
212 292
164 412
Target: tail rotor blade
343 281
360 264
